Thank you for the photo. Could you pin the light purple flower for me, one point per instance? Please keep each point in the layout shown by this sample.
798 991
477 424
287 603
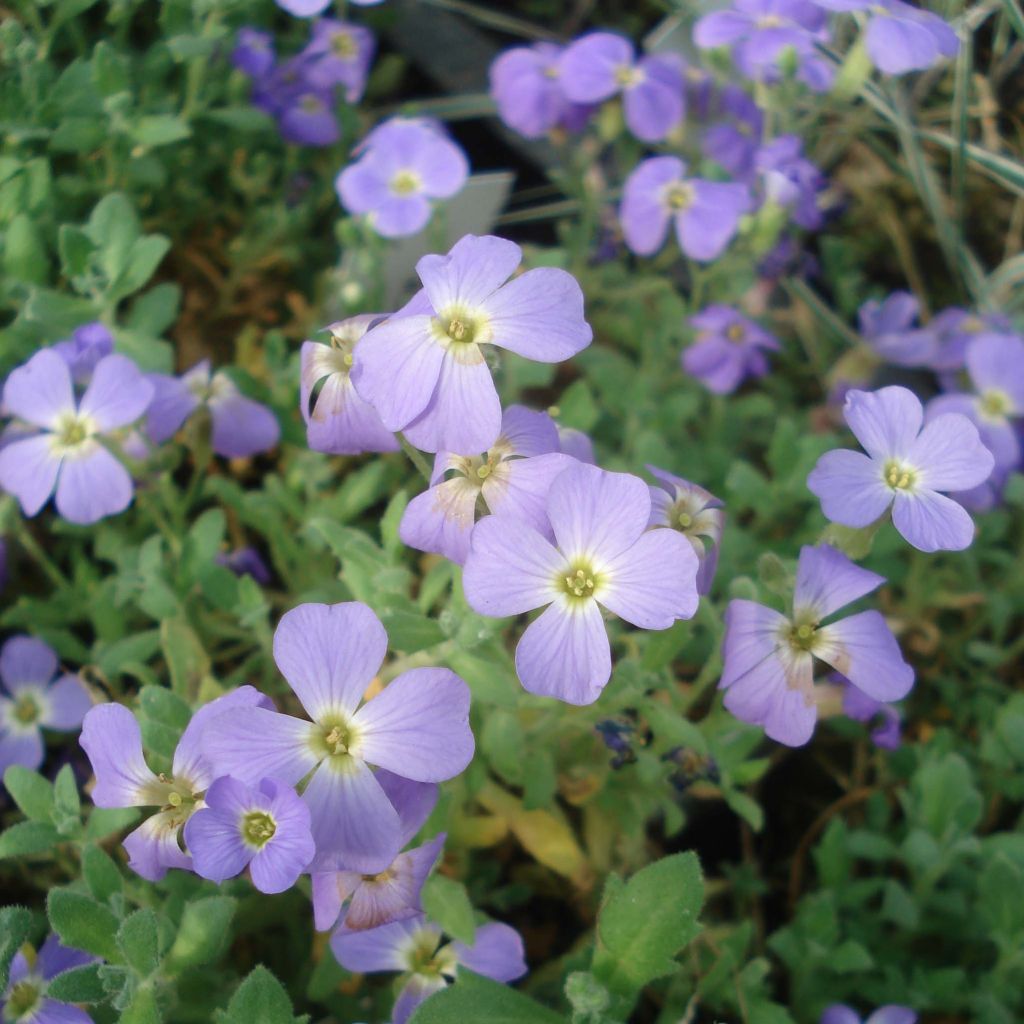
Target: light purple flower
254 52
113 741
905 469
955 329
604 556
339 422
706 214
839 1013
307 118
728 349
264 828
339 53
417 727
732 140
408 165
245 562
87 345
889 327
791 181
768 670
602 64
240 426
368 901
511 480
66 453
416 948
696 513
304 8
25 1000
424 370
35 701
862 708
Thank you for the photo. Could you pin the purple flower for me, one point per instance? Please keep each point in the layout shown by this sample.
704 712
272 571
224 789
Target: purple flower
254 52
27 670
113 741
839 1013
67 452
526 86
696 513
368 901
792 181
862 708
889 328
604 556
407 165
245 562
955 329
511 480
240 426
307 118
768 670
415 947
25 999
733 139
417 727
728 349
423 369
905 469
706 213
602 64
339 53
339 422
87 345
304 8
264 828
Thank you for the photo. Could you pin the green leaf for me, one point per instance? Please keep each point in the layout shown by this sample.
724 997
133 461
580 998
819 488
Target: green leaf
203 933
160 130
67 805
474 999
447 902
143 259
153 312
83 923
186 659
76 249
15 924
25 257
643 924
260 999
27 838
105 821
139 941
30 791
79 985
101 874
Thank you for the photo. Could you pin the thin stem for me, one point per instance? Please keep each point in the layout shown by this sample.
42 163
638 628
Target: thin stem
415 457
39 556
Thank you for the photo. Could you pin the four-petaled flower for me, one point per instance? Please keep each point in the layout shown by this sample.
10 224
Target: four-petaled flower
729 348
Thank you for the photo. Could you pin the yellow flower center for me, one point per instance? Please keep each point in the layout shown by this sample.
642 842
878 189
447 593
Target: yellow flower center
258 828
343 45
73 430
626 76
995 404
23 1000
26 708
735 332
899 476
679 195
405 183
580 583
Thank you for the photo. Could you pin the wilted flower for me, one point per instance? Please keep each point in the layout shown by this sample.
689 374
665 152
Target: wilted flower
415 947
423 369
417 727
729 348
35 701
706 214
25 1000
67 452
511 480
905 469
603 556
407 165
602 64
240 426
113 741
768 669
87 345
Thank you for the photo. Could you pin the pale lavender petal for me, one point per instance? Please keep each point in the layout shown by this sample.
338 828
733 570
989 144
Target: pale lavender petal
577 444
644 213
719 364
55 958
497 952
377 949
519 489
113 741
932 522
949 454
414 801
654 582
24 660
153 847
341 423
996 361
588 67
400 216
173 402
826 580
886 422
475 267
329 654
751 638
791 718
528 432
40 392
707 227
565 654
892 1014
67 703
28 470
291 849
511 568
417 989
418 726
303 8
851 488
242 427
440 520
441 166
655 105
215 843
864 650
721 28
92 484
51 1011
330 891
253 744
897 45
24 748
118 393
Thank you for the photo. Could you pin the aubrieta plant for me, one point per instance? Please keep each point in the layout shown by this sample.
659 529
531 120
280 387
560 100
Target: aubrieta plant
511 512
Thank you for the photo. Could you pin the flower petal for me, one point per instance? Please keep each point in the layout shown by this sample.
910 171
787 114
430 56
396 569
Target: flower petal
791 718
153 847
528 432
92 486
24 660
40 392
826 580
68 701
378 949
343 424
414 801
497 952
864 650
330 891
588 66
440 520
519 489
476 266
118 393
215 842
850 487
949 454
173 402
113 741
23 748
886 422
932 522
242 427
253 744
28 470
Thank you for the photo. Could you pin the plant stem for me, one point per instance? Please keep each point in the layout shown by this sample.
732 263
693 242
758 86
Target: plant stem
415 457
39 556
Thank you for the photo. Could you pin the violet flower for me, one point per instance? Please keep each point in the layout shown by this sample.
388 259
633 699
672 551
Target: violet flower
768 658
954 329
839 1013
706 214
254 52
113 741
732 140
791 181
307 118
511 480
87 345
35 701
25 1000
339 53
245 562
338 421
417 726
67 452
602 64
728 349
407 166
696 513
603 556
415 947
424 369
368 901
905 469
240 426
889 327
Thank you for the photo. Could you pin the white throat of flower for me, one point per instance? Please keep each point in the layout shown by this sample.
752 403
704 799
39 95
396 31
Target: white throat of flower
995 405
462 330
73 434
899 476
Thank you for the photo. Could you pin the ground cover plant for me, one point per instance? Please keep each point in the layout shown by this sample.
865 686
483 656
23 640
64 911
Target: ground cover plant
511 512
